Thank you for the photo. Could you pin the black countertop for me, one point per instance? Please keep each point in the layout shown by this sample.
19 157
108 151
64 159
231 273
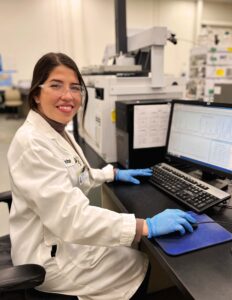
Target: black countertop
204 274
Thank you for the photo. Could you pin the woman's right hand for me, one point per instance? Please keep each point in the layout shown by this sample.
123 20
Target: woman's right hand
168 221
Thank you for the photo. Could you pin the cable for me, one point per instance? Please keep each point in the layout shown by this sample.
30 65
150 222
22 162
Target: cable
224 206
217 222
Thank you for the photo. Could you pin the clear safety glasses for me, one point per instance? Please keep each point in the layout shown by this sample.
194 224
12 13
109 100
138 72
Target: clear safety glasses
76 90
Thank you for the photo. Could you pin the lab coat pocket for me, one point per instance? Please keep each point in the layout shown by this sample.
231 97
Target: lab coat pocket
53 274
72 259
78 255
45 257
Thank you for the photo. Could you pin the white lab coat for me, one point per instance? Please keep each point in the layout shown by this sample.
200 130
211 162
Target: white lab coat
49 182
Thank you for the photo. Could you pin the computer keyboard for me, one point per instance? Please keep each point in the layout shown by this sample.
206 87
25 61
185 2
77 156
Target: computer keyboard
193 193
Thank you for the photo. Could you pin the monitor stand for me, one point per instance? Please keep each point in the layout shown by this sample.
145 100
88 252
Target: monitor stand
211 179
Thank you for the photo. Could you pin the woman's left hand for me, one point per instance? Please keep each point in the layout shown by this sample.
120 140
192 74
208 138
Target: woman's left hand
128 175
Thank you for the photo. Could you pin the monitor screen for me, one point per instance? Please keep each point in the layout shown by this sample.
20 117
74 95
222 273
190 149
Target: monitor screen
201 134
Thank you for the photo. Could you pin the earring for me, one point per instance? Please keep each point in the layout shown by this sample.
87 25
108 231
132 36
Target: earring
37 100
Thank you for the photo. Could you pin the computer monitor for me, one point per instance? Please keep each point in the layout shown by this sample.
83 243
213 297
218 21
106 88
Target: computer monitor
200 134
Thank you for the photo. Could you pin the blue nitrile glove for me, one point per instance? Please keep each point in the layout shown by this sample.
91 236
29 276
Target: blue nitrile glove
169 221
128 175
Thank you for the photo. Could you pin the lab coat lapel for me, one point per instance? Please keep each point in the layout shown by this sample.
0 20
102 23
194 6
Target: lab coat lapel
64 144
43 126
39 122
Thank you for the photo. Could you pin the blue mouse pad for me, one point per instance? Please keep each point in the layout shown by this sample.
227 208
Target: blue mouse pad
205 235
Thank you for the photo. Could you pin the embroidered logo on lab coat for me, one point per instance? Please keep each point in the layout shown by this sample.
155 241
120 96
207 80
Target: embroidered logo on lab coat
71 161
68 161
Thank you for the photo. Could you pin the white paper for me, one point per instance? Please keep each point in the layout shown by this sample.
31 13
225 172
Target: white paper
150 125
217 90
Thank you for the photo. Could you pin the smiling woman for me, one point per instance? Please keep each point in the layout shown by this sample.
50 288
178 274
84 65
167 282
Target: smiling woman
82 247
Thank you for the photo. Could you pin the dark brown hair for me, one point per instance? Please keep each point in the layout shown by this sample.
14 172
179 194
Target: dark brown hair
42 70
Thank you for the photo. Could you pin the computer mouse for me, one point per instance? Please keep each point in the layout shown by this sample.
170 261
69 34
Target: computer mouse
176 234
194 225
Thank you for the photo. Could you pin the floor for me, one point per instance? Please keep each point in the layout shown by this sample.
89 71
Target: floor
8 128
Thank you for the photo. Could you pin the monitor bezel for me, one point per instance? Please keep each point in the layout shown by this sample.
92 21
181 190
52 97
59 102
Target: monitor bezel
171 158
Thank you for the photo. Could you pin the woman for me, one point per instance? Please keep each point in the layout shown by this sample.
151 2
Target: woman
84 249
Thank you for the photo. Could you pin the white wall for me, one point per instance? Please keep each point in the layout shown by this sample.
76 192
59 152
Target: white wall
178 16
31 28
217 12
82 28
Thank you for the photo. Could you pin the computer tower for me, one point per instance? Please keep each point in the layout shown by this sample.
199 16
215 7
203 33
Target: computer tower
141 132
